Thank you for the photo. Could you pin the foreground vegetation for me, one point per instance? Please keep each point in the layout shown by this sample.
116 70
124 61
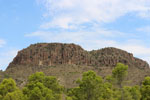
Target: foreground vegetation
90 87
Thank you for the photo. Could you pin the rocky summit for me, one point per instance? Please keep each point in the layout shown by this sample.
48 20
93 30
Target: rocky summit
69 61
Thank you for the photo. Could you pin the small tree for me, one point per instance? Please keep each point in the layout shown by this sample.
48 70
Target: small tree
41 87
135 92
131 93
16 95
7 86
9 90
119 73
145 89
91 87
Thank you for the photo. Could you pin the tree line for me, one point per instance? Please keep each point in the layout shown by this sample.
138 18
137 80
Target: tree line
90 87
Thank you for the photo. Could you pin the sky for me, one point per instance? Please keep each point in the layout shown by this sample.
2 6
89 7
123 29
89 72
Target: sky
92 24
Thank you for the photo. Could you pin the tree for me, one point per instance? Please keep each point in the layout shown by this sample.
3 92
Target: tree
16 95
7 85
145 89
91 87
126 93
41 87
119 73
131 93
135 92
9 90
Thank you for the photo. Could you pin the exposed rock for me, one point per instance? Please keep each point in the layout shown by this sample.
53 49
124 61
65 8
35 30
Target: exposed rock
51 54
69 61
111 56
45 54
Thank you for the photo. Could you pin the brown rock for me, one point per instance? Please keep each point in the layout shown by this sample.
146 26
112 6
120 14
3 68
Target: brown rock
70 60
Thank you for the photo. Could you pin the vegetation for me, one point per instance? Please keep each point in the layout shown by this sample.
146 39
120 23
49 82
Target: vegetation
90 87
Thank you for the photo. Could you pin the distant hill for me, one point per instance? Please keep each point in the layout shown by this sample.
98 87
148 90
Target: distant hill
69 61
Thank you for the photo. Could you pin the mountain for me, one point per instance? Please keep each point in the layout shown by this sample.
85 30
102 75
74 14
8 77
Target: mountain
69 61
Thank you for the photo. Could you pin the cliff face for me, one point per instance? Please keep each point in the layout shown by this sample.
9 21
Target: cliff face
51 54
45 54
111 56
69 61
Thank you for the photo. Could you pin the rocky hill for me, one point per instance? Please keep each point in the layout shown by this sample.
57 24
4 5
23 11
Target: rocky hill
69 61
51 54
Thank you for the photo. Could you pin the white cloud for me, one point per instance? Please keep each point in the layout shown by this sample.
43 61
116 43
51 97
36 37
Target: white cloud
147 59
145 29
96 40
138 50
75 14
78 36
58 22
2 42
6 58
64 13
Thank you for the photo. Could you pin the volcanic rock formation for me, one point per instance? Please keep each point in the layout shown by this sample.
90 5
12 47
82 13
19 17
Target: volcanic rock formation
45 54
68 61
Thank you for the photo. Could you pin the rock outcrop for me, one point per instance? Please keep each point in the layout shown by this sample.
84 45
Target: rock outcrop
51 54
111 56
45 54
69 61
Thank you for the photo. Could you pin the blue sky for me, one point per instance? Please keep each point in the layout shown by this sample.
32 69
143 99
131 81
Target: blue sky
93 24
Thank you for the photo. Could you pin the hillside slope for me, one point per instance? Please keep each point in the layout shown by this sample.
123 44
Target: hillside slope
69 61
